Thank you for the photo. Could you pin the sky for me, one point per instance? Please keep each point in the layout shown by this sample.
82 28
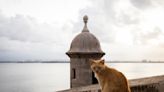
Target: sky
130 30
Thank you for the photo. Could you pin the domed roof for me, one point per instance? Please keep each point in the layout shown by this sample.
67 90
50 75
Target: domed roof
85 42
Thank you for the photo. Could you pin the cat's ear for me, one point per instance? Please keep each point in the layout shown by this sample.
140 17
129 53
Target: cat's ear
91 61
102 61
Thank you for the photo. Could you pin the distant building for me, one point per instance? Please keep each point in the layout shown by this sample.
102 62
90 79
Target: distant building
84 46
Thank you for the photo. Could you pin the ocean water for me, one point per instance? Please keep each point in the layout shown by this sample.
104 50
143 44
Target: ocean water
50 77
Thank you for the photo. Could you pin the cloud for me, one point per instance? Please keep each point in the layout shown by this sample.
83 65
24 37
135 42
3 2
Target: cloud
150 36
106 16
131 26
24 28
23 38
142 4
146 4
115 17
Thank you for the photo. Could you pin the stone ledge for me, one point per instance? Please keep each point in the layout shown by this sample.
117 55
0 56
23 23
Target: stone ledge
155 84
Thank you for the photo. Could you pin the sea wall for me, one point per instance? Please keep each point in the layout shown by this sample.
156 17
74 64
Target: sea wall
149 84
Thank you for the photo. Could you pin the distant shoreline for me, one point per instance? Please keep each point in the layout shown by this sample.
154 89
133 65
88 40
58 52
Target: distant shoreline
69 62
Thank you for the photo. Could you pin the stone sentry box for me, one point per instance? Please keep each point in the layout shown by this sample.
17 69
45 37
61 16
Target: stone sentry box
84 46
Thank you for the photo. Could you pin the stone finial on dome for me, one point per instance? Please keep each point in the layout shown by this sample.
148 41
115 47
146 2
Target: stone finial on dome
85 19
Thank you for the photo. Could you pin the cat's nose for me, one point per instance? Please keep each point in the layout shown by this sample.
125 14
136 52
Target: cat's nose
96 68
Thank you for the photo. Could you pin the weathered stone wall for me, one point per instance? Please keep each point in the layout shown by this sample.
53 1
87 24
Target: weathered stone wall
150 84
81 73
81 67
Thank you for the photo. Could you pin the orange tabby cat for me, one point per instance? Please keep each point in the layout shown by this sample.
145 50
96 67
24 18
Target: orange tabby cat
110 80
